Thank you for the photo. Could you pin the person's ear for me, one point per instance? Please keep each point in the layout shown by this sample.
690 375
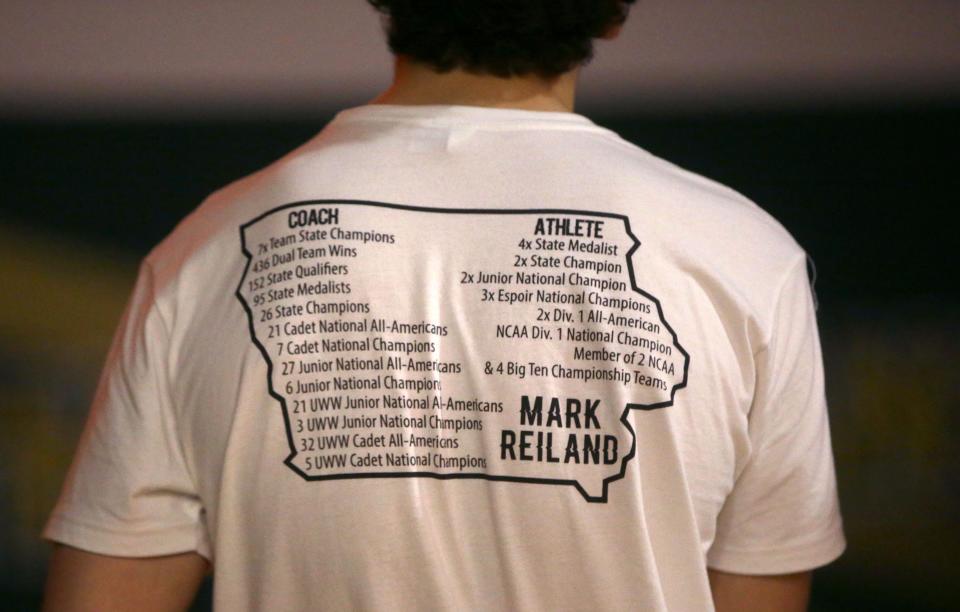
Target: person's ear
612 32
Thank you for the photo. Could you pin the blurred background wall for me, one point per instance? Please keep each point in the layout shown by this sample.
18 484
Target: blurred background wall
840 117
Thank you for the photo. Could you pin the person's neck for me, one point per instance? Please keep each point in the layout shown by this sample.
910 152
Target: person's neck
417 84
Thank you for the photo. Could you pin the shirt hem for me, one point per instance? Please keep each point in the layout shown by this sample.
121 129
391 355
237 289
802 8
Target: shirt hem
105 541
778 561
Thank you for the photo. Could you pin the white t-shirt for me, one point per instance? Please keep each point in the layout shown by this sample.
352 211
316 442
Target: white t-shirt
462 358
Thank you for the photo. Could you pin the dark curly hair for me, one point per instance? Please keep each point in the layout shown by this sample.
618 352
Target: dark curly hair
500 37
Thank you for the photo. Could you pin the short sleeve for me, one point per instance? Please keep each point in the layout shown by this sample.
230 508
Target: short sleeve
783 514
128 491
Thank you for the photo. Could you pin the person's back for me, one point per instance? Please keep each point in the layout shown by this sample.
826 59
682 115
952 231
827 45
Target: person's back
447 356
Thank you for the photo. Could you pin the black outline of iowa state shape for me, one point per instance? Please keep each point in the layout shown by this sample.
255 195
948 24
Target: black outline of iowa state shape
603 498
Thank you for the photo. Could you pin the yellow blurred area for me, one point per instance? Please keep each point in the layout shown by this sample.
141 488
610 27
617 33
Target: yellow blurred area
37 446
63 298
894 405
